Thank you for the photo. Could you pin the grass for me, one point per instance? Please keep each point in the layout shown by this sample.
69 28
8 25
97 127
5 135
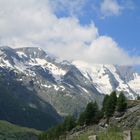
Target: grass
110 134
4 125
10 131
136 134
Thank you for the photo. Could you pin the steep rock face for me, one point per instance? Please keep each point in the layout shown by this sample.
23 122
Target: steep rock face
129 120
66 86
56 82
21 105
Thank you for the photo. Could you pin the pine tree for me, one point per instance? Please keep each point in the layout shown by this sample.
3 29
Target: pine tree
91 113
138 97
113 97
121 103
82 119
110 104
69 123
105 102
97 114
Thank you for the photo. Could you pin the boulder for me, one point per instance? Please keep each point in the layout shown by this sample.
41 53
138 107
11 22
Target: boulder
94 137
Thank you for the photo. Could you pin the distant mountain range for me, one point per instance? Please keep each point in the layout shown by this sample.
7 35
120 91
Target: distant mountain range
107 78
39 85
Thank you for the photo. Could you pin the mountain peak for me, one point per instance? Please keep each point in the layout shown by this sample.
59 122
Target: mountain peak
33 52
6 48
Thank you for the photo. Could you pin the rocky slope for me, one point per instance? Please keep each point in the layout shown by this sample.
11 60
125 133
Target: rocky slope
21 106
130 119
58 83
112 128
66 87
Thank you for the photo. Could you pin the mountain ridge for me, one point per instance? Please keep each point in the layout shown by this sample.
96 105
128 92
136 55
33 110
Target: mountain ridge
67 86
48 76
119 78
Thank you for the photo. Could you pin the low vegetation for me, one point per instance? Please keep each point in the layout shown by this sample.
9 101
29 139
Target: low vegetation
10 131
91 115
112 133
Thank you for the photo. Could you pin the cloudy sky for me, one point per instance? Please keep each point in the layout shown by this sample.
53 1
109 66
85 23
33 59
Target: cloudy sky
95 31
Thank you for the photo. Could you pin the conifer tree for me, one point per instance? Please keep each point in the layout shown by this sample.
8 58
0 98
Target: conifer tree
69 123
138 97
91 113
121 103
113 97
110 104
82 119
105 102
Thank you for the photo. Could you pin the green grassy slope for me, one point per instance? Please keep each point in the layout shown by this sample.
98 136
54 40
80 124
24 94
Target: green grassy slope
10 131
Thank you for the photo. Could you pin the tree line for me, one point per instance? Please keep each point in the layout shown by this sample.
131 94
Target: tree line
91 115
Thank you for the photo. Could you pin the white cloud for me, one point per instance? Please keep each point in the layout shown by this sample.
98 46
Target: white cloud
129 4
115 7
110 7
70 7
33 23
105 50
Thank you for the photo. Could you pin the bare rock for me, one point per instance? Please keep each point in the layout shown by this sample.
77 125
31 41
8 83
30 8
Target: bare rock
94 137
127 135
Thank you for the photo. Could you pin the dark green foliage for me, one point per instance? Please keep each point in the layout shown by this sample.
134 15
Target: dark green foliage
109 104
82 119
114 99
121 103
108 109
105 102
69 123
55 132
91 113
138 98
112 103
52 133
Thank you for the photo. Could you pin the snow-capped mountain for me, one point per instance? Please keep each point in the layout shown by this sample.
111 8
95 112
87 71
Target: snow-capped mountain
68 87
56 82
107 78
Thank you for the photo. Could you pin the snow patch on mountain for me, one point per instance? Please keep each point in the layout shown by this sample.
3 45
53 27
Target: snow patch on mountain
5 63
135 83
59 75
41 61
107 78
46 86
56 71
21 54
